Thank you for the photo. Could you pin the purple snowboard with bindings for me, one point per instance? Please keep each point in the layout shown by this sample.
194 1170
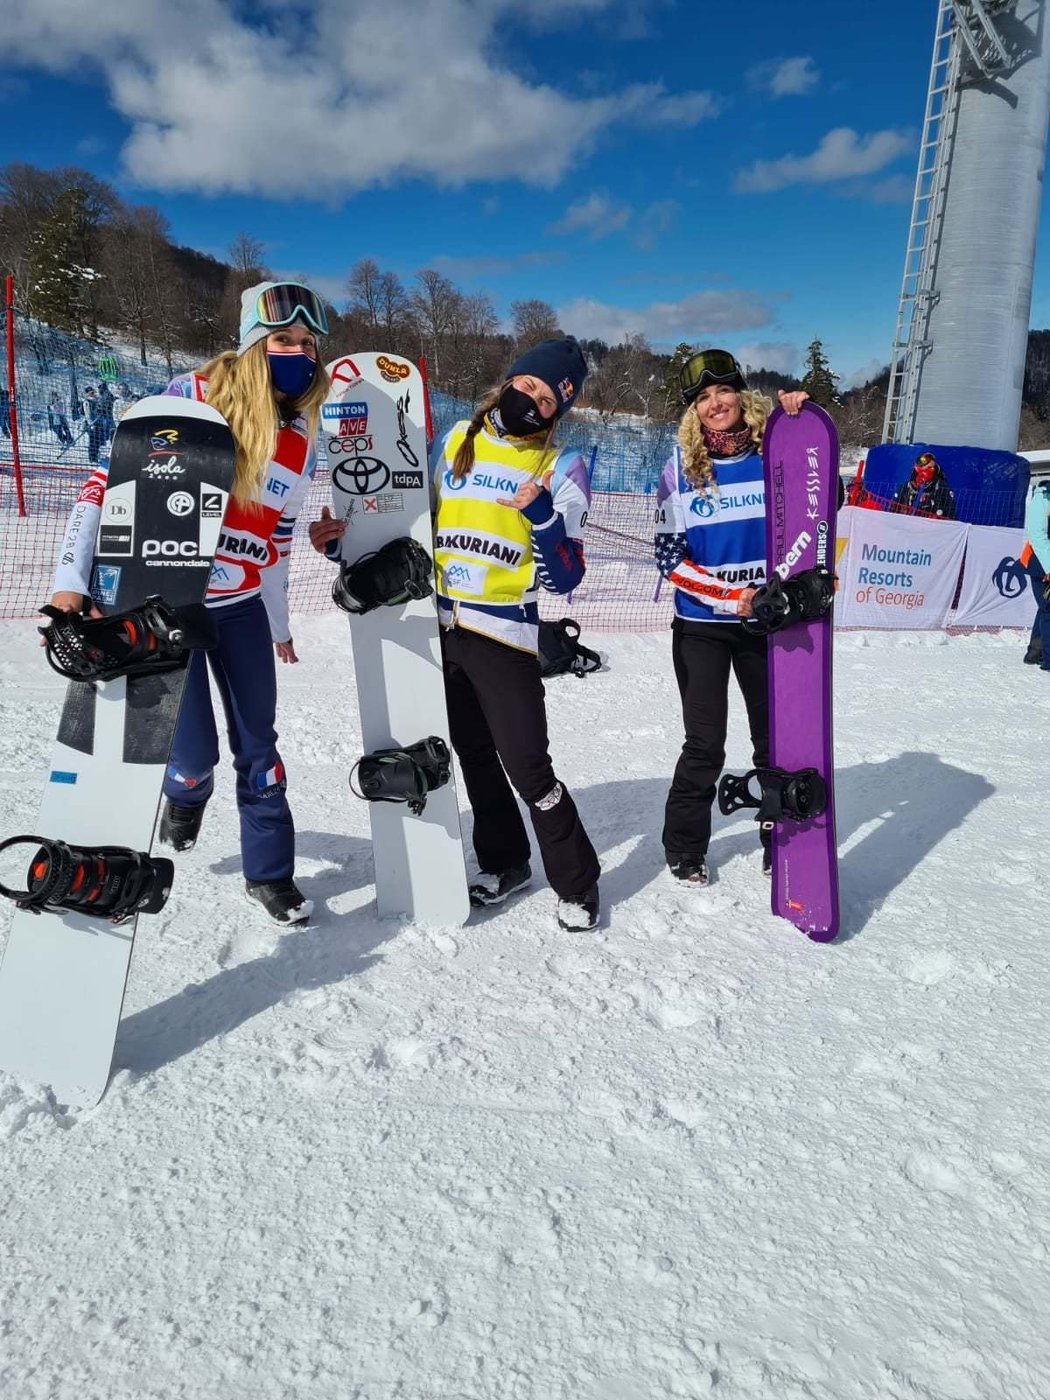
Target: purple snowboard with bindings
801 457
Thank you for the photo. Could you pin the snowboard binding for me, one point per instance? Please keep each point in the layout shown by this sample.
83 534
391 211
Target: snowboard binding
801 598
105 882
782 795
396 574
151 637
403 775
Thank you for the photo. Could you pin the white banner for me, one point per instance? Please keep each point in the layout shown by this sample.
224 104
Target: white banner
996 590
897 570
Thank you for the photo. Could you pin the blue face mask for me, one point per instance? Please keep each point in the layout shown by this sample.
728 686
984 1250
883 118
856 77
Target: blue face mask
292 374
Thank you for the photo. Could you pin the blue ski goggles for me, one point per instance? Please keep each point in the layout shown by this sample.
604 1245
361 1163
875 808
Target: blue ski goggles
284 302
709 367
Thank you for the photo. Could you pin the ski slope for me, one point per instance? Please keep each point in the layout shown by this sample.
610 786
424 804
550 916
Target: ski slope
692 1154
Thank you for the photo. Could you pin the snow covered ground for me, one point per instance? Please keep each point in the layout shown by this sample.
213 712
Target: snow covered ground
692 1154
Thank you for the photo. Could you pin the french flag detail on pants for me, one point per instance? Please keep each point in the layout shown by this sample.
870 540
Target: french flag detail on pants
272 778
181 778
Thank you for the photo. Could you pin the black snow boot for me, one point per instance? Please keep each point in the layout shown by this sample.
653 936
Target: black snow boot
282 899
690 868
180 826
493 888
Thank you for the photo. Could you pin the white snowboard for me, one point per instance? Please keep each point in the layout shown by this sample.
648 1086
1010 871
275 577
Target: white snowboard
63 975
375 441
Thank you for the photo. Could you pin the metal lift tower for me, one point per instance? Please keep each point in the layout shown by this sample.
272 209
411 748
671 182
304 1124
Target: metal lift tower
962 328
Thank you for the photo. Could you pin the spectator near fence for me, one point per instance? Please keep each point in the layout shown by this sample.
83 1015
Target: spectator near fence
5 413
926 491
57 420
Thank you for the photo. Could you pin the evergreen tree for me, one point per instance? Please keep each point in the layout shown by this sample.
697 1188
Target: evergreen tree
59 280
818 381
671 389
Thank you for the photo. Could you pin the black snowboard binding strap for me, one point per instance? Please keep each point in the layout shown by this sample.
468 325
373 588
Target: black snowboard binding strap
801 598
388 577
106 882
782 795
151 637
403 775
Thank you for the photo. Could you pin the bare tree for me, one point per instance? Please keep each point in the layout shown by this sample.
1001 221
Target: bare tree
247 261
364 292
393 307
435 306
628 380
533 320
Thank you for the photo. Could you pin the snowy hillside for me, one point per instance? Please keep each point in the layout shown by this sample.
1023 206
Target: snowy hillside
692 1154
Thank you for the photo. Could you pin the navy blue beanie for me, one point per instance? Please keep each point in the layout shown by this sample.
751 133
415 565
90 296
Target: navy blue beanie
559 363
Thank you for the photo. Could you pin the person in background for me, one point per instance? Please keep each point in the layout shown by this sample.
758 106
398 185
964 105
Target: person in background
926 491
714 553
5 413
95 427
1036 559
57 420
270 392
105 403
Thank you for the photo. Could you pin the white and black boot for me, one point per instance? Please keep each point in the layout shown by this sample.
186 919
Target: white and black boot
581 914
493 888
282 899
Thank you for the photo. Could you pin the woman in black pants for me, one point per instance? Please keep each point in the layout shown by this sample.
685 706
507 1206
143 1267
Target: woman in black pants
711 545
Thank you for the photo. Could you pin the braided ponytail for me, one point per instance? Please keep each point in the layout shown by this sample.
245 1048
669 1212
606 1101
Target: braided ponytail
464 459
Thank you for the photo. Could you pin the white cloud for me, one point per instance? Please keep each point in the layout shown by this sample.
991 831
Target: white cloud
784 77
778 355
840 155
651 106
490 266
327 99
697 317
596 214
653 222
865 374
895 189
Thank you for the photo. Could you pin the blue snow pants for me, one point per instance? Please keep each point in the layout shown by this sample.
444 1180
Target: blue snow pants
246 677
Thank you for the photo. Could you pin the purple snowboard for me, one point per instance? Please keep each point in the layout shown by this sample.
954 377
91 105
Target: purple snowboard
801 457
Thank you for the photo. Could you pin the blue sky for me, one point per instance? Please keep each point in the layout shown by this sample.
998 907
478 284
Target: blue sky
735 174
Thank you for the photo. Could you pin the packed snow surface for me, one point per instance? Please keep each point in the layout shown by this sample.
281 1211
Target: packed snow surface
692 1153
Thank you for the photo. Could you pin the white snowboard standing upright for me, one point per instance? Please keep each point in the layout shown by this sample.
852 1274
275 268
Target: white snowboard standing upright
63 975
375 441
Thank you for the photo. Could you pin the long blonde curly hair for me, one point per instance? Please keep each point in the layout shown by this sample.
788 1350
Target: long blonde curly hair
464 458
696 460
240 387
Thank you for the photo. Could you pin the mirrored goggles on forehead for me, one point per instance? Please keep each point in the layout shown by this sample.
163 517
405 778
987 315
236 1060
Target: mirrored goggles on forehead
709 367
289 301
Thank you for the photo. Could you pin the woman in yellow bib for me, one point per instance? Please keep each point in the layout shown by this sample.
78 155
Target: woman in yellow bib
510 511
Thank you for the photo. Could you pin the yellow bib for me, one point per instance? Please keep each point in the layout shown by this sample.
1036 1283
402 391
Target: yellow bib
483 550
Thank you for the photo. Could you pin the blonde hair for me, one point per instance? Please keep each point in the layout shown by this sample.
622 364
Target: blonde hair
240 387
464 458
696 460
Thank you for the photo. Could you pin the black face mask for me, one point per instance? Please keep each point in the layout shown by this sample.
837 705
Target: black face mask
519 413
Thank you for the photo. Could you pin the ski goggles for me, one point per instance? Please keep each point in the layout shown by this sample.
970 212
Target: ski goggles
709 367
926 459
284 302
